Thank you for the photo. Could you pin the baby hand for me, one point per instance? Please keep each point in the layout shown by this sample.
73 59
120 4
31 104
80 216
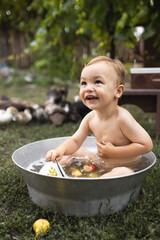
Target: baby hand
105 149
52 155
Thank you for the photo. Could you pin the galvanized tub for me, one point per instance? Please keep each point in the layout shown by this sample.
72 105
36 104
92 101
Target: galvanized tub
78 196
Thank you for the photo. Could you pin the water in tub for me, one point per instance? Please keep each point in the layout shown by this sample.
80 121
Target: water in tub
77 167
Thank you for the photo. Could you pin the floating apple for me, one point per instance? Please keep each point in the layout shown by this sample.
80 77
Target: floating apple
89 167
75 172
92 175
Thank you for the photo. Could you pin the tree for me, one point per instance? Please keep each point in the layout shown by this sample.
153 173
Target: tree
70 32
75 30
17 27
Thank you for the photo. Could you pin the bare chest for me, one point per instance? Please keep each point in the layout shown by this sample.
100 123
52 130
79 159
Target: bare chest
109 131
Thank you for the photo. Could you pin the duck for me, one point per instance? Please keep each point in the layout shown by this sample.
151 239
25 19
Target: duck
57 113
23 117
6 116
51 108
40 114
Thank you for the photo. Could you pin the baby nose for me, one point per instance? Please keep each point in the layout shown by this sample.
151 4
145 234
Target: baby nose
90 87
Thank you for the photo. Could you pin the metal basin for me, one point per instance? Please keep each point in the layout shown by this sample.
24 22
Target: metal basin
78 196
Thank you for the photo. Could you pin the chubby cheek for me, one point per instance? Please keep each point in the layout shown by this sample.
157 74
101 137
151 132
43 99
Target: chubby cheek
81 94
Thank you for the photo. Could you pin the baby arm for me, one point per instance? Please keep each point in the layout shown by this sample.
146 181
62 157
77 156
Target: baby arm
71 145
66 148
140 141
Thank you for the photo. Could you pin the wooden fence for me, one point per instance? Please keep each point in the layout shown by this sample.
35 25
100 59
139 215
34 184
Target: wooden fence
12 47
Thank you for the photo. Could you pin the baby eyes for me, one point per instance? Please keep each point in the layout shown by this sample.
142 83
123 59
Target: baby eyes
98 82
83 83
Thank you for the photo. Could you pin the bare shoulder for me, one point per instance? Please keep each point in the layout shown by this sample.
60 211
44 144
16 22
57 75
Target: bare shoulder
126 120
124 114
90 116
133 130
130 127
87 118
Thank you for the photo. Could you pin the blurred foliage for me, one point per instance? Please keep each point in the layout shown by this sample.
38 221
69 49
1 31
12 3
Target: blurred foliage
18 15
67 33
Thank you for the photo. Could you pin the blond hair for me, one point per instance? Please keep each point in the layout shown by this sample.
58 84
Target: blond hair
115 63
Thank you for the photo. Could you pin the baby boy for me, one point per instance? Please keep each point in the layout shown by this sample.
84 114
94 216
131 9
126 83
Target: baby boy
120 138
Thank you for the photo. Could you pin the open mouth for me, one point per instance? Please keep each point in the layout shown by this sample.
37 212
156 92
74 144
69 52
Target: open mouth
91 97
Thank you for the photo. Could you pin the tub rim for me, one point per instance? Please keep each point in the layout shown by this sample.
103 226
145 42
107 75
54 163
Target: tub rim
74 178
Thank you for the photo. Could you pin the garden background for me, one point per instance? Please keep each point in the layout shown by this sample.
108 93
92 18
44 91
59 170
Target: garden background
45 43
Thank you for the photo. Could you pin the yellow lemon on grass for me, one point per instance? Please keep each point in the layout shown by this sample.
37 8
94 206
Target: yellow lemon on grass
41 226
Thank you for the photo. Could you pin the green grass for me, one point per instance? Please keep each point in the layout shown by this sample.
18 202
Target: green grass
140 220
32 92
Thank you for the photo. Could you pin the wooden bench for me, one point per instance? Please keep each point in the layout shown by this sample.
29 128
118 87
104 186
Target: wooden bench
147 99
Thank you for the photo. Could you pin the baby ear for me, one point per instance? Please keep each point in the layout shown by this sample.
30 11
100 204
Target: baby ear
119 91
